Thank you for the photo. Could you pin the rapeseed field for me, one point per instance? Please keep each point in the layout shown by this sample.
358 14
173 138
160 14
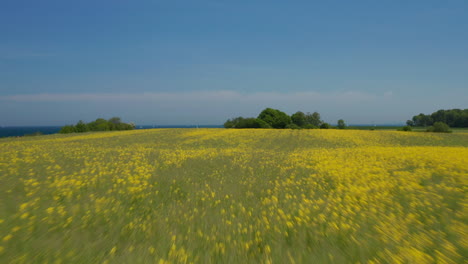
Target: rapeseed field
234 196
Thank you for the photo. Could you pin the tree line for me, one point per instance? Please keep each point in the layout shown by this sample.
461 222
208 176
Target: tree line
99 124
274 118
451 117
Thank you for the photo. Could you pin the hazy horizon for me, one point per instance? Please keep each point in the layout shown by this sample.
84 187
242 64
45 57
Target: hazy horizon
202 62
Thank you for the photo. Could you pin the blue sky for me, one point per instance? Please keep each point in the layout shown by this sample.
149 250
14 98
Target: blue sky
200 62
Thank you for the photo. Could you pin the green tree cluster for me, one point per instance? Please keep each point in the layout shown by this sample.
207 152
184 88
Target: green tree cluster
241 122
452 117
99 124
274 118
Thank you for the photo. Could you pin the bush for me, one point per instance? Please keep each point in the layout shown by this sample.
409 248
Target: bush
252 123
240 122
325 126
67 129
310 126
81 127
293 126
405 128
439 127
99 125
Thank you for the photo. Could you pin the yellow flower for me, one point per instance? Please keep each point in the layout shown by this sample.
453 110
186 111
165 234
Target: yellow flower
113 250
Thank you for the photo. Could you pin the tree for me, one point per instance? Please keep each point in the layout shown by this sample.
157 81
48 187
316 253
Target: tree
253 123
114 123
422 120
299 119
439 116
313 119
67 129
275 118
115 120
81 127
240 122
99 124
341 124
233 123
409 122
440 127
451 117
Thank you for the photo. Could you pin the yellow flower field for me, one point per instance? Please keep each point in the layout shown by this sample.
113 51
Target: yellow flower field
234 196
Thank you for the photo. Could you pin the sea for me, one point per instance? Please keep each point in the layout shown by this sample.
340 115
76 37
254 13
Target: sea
21 131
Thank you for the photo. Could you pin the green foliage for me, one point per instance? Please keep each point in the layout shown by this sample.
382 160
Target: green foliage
99 124
422 120
299 119
229 123
325 126
275 118
67 129
115 123
452 117
439 127
310 126
81 127
314 119
252 123
234 122
409 122
293 126
341 124
405 128
240 122
115 120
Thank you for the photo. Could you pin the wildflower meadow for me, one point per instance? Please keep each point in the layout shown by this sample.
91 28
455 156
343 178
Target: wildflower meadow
234 196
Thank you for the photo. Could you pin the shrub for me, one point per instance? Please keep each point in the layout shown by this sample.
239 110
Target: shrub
439 127
253 123
405 128
325 126
240 122
67 129
310 126
293 126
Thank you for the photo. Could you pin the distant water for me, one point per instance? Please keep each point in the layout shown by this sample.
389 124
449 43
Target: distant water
46 130
21 131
